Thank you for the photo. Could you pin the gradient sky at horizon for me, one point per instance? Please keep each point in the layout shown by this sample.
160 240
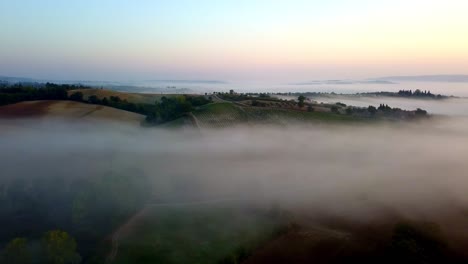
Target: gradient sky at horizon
292 40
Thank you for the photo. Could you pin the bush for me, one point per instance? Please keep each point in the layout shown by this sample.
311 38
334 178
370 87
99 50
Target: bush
341 104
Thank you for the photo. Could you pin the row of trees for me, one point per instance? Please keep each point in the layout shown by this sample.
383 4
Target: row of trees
418 93
18 93
115 102
385 108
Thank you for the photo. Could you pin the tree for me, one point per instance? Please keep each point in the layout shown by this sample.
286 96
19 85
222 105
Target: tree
301 99
420 112
349 111
372 109
17 252
334 109
60 248
115 99
93 99
76 96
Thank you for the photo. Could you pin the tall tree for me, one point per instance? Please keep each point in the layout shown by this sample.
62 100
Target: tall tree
60 248
301 99
16 252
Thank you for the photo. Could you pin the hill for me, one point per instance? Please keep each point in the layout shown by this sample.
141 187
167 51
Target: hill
226 114
67 109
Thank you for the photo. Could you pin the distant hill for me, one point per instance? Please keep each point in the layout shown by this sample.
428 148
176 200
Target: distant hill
344 82
145 86
16 79
188 81
427 78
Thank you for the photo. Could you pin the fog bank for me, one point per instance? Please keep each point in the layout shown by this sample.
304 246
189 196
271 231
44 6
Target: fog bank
415 169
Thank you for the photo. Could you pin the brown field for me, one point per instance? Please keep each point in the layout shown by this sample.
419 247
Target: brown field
67 109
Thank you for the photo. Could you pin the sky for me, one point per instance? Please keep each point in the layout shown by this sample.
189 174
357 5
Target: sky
251 40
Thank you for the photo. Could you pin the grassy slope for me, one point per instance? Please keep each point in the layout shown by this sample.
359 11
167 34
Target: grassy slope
199 234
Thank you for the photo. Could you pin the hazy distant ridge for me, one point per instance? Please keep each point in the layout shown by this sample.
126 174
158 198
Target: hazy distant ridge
344 82
428 78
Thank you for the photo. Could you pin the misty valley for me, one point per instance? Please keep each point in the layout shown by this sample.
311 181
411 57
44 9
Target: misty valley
92 175
233 132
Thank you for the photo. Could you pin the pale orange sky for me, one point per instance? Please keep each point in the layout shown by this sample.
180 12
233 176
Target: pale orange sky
257 40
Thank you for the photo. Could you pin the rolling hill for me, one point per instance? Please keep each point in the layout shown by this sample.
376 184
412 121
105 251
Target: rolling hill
68 110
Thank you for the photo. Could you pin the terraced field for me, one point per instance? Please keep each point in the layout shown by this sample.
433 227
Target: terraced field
183 122
285 116
220 115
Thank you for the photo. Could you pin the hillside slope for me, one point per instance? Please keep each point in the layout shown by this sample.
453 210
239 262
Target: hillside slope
227 114
68 110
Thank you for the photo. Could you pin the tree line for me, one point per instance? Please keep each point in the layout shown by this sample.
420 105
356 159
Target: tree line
10 94
419 93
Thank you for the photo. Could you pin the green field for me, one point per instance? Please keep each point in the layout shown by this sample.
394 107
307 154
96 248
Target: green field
219 115
198 234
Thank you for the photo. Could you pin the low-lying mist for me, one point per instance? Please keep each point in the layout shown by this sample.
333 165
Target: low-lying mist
449 106
90 177
415 169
